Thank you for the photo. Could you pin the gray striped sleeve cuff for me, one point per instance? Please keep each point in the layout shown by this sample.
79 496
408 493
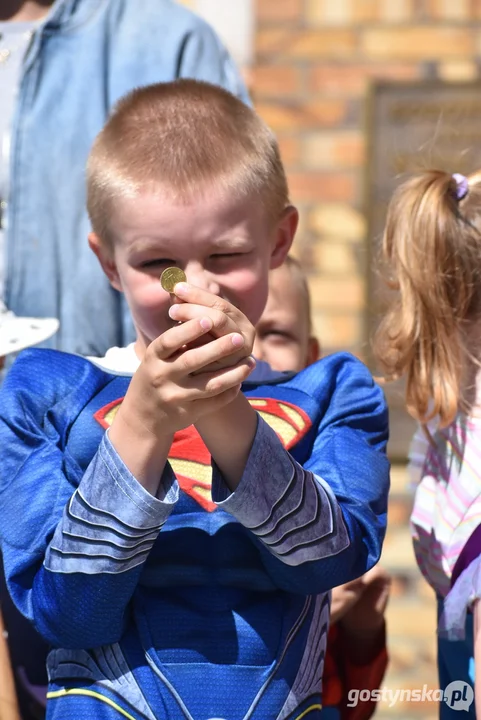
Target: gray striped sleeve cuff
292 511
111 521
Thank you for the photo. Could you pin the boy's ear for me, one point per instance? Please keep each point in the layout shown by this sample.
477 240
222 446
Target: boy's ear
106 259
284 235
313 350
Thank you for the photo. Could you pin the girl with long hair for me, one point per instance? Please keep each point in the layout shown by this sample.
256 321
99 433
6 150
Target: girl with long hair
431 336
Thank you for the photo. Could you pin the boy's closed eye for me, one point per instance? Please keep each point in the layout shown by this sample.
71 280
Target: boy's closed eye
277 336
156 262
221 261
168 262
226 256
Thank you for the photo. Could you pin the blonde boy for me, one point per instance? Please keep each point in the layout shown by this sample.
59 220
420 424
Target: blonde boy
284 337
180 561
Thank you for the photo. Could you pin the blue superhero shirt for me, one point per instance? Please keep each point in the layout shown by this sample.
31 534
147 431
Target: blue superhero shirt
208 604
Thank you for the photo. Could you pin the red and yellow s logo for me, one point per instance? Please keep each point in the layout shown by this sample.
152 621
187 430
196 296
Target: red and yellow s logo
189 457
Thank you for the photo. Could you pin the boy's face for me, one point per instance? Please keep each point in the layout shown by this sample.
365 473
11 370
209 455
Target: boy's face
219 241
283 336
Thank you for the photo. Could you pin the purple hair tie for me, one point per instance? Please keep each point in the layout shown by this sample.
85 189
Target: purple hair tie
462 185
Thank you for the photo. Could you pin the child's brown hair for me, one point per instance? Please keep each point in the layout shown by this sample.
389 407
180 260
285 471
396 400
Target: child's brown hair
181 138
432 254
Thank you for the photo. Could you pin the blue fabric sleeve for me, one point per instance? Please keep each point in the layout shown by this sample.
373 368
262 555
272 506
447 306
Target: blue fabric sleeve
73 562
111 522
322 524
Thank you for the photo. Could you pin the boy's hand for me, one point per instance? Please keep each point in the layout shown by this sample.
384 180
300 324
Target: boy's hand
172 387
227 430
366 616
226 318
344 598
166 395
364 624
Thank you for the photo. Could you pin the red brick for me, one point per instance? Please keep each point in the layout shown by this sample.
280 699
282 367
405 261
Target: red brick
350 151
340 222
422 43
275 80
341 12
366 11
336 326
334 149
307 45
395 11
318 187
449 10
354 79
326 12
297 117
290 148
278 11
339 297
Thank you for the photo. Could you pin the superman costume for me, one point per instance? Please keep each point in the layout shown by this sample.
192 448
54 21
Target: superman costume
208 604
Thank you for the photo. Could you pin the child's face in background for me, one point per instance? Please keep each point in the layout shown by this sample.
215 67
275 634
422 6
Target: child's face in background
219 241
283 336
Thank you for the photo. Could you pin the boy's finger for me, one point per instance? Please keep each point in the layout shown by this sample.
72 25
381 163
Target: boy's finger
199 296
223 363
174 339
222 323
218 382
191 361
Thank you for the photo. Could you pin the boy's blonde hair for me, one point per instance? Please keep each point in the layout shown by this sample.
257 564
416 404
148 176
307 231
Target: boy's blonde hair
432 256
182 138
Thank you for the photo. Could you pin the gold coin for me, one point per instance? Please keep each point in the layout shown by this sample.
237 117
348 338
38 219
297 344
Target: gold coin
170 277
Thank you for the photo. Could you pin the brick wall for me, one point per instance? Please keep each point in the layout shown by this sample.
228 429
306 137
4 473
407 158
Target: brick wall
314 62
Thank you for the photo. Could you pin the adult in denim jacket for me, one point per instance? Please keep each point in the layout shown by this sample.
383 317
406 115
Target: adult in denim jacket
82 58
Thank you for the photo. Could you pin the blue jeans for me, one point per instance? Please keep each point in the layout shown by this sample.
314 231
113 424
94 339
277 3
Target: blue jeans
456 663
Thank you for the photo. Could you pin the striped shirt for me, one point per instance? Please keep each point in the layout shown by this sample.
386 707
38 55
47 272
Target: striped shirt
447 504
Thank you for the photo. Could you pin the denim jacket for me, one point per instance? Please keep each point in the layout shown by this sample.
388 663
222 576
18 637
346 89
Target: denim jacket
86 55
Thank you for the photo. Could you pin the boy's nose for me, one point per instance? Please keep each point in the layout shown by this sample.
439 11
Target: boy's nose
200 278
